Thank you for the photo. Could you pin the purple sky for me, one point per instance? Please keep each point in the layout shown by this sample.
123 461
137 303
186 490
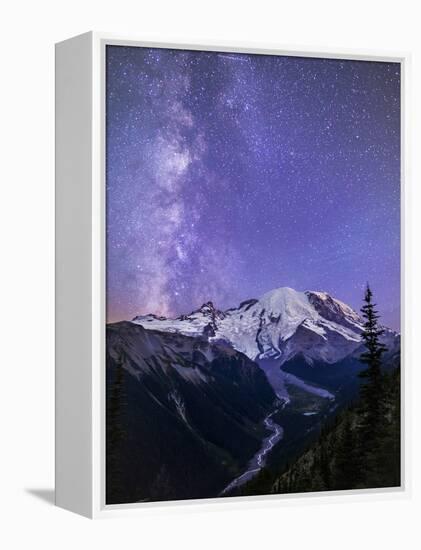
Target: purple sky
229 175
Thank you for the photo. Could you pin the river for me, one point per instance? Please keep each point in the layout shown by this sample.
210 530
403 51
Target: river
259 459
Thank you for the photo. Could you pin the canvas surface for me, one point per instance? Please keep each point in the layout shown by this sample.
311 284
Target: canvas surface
253 274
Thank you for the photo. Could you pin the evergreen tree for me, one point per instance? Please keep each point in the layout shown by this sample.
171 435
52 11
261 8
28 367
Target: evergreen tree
390 465
372 387
325 464
347 457
115 432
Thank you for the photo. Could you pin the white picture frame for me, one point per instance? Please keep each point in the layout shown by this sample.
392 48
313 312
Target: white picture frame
80 273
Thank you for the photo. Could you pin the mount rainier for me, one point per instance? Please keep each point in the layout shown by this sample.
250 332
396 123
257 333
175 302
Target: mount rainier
281 325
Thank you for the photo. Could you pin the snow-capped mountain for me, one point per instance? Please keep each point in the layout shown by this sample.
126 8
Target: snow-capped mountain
282 324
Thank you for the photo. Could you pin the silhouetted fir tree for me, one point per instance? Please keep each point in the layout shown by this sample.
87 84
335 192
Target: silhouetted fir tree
347 457
317 483
372 391
389 467
325 465
115 433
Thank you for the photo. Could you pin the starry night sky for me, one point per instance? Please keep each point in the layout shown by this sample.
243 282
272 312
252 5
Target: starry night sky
229 175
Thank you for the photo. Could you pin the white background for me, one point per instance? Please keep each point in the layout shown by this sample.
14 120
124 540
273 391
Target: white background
28 32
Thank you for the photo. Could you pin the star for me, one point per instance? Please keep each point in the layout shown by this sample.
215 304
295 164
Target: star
229 175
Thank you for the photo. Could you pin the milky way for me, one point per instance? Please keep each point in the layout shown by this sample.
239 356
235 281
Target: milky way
229 175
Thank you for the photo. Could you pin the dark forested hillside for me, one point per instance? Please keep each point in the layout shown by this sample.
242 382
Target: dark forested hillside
342 459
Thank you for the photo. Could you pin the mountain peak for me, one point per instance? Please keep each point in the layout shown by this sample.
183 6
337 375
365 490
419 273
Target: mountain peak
280 324
332 308
288 301
149 317
207 307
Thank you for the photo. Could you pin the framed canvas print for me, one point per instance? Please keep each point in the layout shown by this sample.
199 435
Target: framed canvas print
230 296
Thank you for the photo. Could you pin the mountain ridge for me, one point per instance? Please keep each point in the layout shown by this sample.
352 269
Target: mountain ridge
280 324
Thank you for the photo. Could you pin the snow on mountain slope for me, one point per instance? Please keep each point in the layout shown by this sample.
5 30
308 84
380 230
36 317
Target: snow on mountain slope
280 325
